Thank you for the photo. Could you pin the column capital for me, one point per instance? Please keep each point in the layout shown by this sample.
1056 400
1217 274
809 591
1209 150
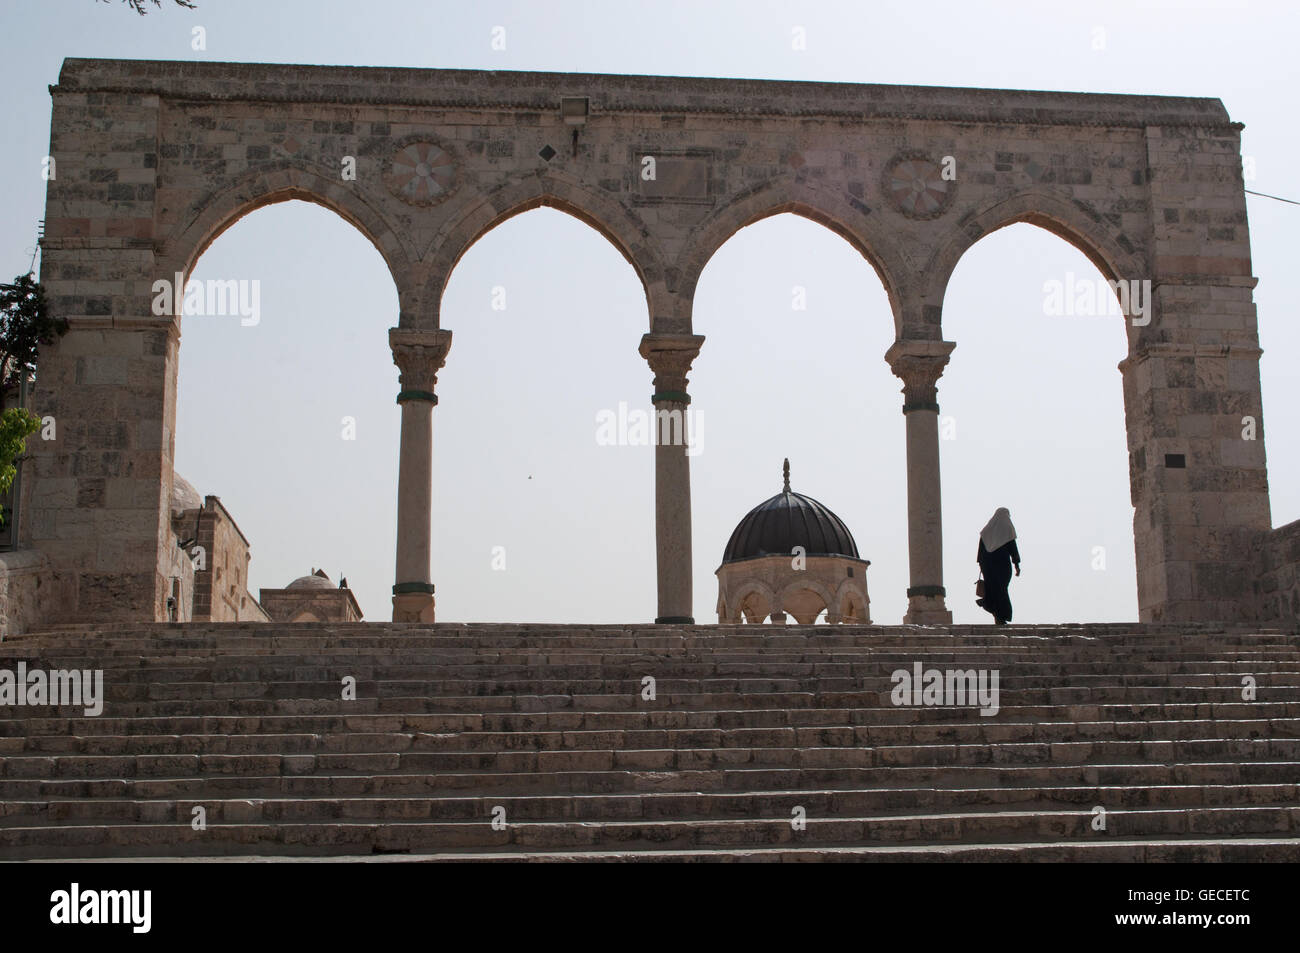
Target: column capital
419 354
670 357
919 364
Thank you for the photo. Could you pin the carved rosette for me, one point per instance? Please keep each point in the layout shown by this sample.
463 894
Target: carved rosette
914 184
419 355
670 357
420 172
919 364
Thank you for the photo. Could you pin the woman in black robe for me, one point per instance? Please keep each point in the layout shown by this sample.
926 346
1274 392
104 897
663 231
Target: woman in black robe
997 552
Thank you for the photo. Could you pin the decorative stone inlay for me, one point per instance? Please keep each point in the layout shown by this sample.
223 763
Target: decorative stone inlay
421 173
916 187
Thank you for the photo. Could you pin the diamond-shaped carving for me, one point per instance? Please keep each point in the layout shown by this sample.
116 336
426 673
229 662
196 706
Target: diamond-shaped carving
547 153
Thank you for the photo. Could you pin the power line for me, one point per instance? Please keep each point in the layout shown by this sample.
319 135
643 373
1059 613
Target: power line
1275 197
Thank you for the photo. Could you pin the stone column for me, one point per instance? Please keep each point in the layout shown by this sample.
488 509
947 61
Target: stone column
419 355
670 357
919 364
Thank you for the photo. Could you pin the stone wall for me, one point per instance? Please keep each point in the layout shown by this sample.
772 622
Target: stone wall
1277 576
25 591
221 586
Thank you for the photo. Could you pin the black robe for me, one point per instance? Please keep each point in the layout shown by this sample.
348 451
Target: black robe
996 567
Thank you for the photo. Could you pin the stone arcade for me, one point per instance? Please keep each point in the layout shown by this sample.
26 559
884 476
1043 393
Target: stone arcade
156 159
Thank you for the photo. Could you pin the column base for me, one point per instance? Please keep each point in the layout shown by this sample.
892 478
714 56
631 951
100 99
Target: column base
413 607
675 620
927 610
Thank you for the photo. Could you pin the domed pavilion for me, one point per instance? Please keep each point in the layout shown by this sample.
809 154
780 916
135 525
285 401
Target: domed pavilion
791 555
312 598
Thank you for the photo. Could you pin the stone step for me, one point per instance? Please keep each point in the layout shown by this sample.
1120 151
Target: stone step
269 645
1119 850
868 674
1127 851
1002 826
749 779
986 732
584 663
35 726
606 759
1012 690
316 653
270 648
1042 640
553 630
1207 702
657 805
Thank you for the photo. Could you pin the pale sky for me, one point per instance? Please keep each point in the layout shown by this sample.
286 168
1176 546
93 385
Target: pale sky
1037 419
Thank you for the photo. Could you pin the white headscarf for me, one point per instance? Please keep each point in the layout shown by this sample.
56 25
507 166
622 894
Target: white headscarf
998 531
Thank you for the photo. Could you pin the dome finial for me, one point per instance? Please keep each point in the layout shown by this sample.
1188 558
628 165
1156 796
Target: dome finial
785 472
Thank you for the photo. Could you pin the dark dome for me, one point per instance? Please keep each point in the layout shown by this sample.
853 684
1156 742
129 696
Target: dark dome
787 520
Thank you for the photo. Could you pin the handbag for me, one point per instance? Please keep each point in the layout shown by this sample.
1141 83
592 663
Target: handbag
979 587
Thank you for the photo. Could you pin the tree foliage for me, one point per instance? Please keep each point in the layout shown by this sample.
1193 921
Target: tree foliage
16 425
139 5
25 323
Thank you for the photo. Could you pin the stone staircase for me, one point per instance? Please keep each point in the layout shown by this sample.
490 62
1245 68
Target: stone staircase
749 731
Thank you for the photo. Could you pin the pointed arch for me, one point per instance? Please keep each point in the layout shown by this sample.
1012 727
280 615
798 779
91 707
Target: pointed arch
841 213
204 221
1115 254
618 224
1057 360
